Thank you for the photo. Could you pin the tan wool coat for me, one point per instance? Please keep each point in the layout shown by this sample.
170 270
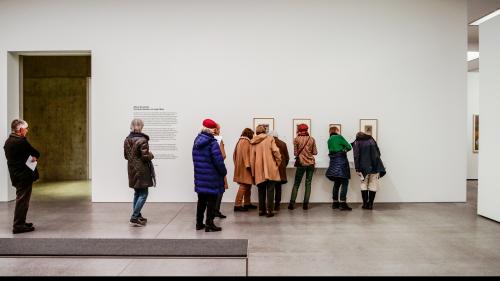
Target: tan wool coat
241 158
265 159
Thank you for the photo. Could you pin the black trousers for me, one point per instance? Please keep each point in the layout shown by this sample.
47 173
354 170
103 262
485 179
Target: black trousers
277 193
266 189
23 195
218 202
206 202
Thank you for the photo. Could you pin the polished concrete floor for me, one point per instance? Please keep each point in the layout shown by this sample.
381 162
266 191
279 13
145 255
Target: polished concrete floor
393 239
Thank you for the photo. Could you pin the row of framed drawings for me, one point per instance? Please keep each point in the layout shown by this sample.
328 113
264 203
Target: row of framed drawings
368 126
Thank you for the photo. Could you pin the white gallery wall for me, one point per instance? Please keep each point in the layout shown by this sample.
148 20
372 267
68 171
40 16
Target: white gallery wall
334 61
489 102
472 108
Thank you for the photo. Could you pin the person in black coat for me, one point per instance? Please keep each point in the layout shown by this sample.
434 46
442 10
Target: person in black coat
369 167
17 151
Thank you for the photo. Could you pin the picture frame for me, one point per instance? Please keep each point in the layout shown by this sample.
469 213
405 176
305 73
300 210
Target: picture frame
268 122
336 125
297 121
475 133
369 127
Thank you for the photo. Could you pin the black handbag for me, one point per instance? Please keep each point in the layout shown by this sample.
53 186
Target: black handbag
297 158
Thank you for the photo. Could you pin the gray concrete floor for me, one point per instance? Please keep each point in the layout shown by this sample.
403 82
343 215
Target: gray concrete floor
393 239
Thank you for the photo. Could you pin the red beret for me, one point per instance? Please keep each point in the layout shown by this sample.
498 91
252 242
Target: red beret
302 127
209 123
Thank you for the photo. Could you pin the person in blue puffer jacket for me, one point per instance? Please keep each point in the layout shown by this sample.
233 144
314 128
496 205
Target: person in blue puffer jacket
209 173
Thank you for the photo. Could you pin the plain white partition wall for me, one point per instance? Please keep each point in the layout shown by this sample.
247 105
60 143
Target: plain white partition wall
334 61
489 103
472 108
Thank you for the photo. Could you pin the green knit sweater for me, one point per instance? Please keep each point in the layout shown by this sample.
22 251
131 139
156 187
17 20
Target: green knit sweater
337 143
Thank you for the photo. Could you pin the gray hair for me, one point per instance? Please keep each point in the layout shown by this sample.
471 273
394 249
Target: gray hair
17 124
136 125
207 130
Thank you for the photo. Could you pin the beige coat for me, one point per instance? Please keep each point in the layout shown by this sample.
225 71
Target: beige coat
265 159
241 158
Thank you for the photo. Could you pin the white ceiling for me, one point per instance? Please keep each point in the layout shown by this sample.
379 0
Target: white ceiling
477 9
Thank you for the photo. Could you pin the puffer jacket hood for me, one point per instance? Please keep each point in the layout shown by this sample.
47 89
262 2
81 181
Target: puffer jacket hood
258 138
137 135
202 140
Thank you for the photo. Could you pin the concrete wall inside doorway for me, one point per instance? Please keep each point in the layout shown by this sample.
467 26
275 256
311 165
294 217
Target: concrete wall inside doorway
55 107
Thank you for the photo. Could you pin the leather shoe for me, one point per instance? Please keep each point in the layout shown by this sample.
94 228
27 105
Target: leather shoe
200 226
220 215
250 206
28 224
262 214
212 228
22 229
240 209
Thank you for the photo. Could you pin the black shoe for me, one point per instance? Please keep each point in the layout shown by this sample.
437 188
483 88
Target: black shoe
137 222
269 214
262 214
305 207
277 207
143 219
335 205
28 224
200 226
212 228
250 206
344 207
290 206
22 229
240 209
220 215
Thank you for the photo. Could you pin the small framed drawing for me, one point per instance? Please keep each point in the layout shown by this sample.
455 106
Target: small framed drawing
298 121
339 126
369 127
268 123
475 133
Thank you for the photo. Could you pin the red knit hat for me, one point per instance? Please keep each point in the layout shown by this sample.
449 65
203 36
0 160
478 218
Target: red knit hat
302 128
209 123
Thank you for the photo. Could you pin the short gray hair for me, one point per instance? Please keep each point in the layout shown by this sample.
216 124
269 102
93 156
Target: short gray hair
136 125
17 124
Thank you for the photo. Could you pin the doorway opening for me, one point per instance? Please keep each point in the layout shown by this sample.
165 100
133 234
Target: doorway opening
55 101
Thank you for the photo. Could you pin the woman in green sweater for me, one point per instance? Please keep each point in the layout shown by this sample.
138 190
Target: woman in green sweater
338 170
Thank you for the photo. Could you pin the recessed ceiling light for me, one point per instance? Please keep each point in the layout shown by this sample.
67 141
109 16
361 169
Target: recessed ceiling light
472 56
487 17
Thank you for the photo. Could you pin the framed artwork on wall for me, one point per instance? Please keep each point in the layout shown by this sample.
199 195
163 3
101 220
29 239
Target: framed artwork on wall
475 133
336 125
369 127
298 121
268 123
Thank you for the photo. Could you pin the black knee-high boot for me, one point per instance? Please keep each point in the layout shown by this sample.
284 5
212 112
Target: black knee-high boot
371 198
364 195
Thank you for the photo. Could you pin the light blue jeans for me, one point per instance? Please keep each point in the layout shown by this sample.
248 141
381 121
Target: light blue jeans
140 196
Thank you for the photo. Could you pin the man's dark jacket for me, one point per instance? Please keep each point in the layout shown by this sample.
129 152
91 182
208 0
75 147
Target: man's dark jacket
17 150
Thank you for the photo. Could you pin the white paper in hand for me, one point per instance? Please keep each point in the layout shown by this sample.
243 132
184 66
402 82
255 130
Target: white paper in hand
31 164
